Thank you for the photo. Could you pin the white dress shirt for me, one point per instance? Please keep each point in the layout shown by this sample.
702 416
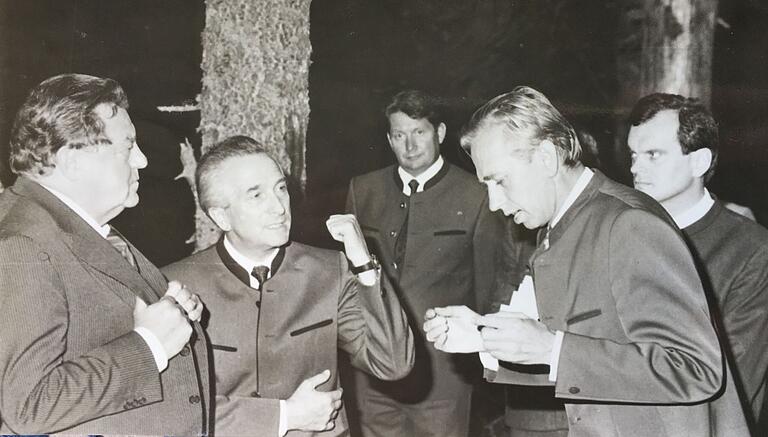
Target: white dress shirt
422 179
695 212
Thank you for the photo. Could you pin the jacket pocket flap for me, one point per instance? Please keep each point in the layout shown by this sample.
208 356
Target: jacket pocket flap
221 347
586 315
450 232
308 328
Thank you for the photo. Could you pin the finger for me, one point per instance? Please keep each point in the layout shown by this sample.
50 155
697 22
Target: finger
173 288
458 311
140 304
197 311
433 323
335 395
331 424
497 320
430 314
318 379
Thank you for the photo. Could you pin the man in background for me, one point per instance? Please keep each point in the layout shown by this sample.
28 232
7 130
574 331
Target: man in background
278 311
674 146
93 339
429 223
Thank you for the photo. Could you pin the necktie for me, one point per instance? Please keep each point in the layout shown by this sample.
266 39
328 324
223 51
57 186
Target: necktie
260 273
118 242
543 238
402 236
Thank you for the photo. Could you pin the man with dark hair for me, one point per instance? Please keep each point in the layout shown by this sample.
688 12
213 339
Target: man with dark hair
618 320
93 339
428 222
674 142
278 311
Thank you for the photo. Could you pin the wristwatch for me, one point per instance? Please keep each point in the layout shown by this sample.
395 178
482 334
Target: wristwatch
370 265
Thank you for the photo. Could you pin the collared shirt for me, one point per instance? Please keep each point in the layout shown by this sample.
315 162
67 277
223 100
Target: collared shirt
154 344
422 179
695 212
248 264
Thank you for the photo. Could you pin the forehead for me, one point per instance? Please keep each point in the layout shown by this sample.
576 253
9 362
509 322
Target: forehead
117 124
493 150
659 132
402 121
241 173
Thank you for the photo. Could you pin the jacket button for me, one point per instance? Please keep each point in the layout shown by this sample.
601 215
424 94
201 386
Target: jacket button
255 394
194 399
573 390
185 351
402 204
392 233
42 256
258 304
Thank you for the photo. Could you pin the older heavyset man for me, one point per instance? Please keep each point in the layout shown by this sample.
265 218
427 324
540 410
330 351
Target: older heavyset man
92 338
280 310
619 320
674 144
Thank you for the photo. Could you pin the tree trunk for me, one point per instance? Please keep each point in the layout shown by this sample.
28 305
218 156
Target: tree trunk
255 82
677 47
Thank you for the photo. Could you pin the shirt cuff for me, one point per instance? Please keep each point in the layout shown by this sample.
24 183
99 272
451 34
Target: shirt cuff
158 352
281 428
554 358
367 278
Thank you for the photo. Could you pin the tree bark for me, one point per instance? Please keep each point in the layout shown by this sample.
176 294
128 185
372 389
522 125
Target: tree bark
677 47
255 82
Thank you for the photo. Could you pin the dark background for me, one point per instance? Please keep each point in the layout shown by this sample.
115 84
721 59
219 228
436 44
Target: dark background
364 51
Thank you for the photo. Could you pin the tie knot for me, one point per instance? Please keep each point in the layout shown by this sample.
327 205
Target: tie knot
118 242
260 273
414 184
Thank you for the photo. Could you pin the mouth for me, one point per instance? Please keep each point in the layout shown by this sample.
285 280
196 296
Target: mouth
276 226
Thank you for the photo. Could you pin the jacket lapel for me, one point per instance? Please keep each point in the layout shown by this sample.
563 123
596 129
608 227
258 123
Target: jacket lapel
87 245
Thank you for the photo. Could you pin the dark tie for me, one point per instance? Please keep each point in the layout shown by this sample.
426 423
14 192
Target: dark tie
402 236
260 273
118 242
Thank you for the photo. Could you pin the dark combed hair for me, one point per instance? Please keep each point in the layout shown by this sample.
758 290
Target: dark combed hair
698 128
416 104
232 147
526 111
59 112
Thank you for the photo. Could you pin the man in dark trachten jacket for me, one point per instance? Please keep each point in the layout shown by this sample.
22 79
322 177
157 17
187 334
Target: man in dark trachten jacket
278 311
429 223
612 313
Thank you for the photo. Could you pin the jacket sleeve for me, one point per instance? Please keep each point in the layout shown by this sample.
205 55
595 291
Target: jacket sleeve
40 392
745 321
672 354
373 327
237 416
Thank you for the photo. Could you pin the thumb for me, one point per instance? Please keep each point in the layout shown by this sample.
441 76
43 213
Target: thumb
140 305
318 379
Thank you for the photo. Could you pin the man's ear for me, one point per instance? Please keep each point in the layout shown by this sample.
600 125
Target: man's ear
700 160
547 156
440 133
220 217
67 162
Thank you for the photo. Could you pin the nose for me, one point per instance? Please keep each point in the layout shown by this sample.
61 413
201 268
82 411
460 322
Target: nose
634 168
495 197
278 204
137 158
410 144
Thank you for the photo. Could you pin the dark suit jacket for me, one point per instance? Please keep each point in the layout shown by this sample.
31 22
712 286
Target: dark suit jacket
640 356
449 260
265 344
69 359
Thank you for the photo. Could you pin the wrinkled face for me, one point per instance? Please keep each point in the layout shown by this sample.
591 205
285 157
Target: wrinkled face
110 172
257 212
516 179
659 167
416 142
